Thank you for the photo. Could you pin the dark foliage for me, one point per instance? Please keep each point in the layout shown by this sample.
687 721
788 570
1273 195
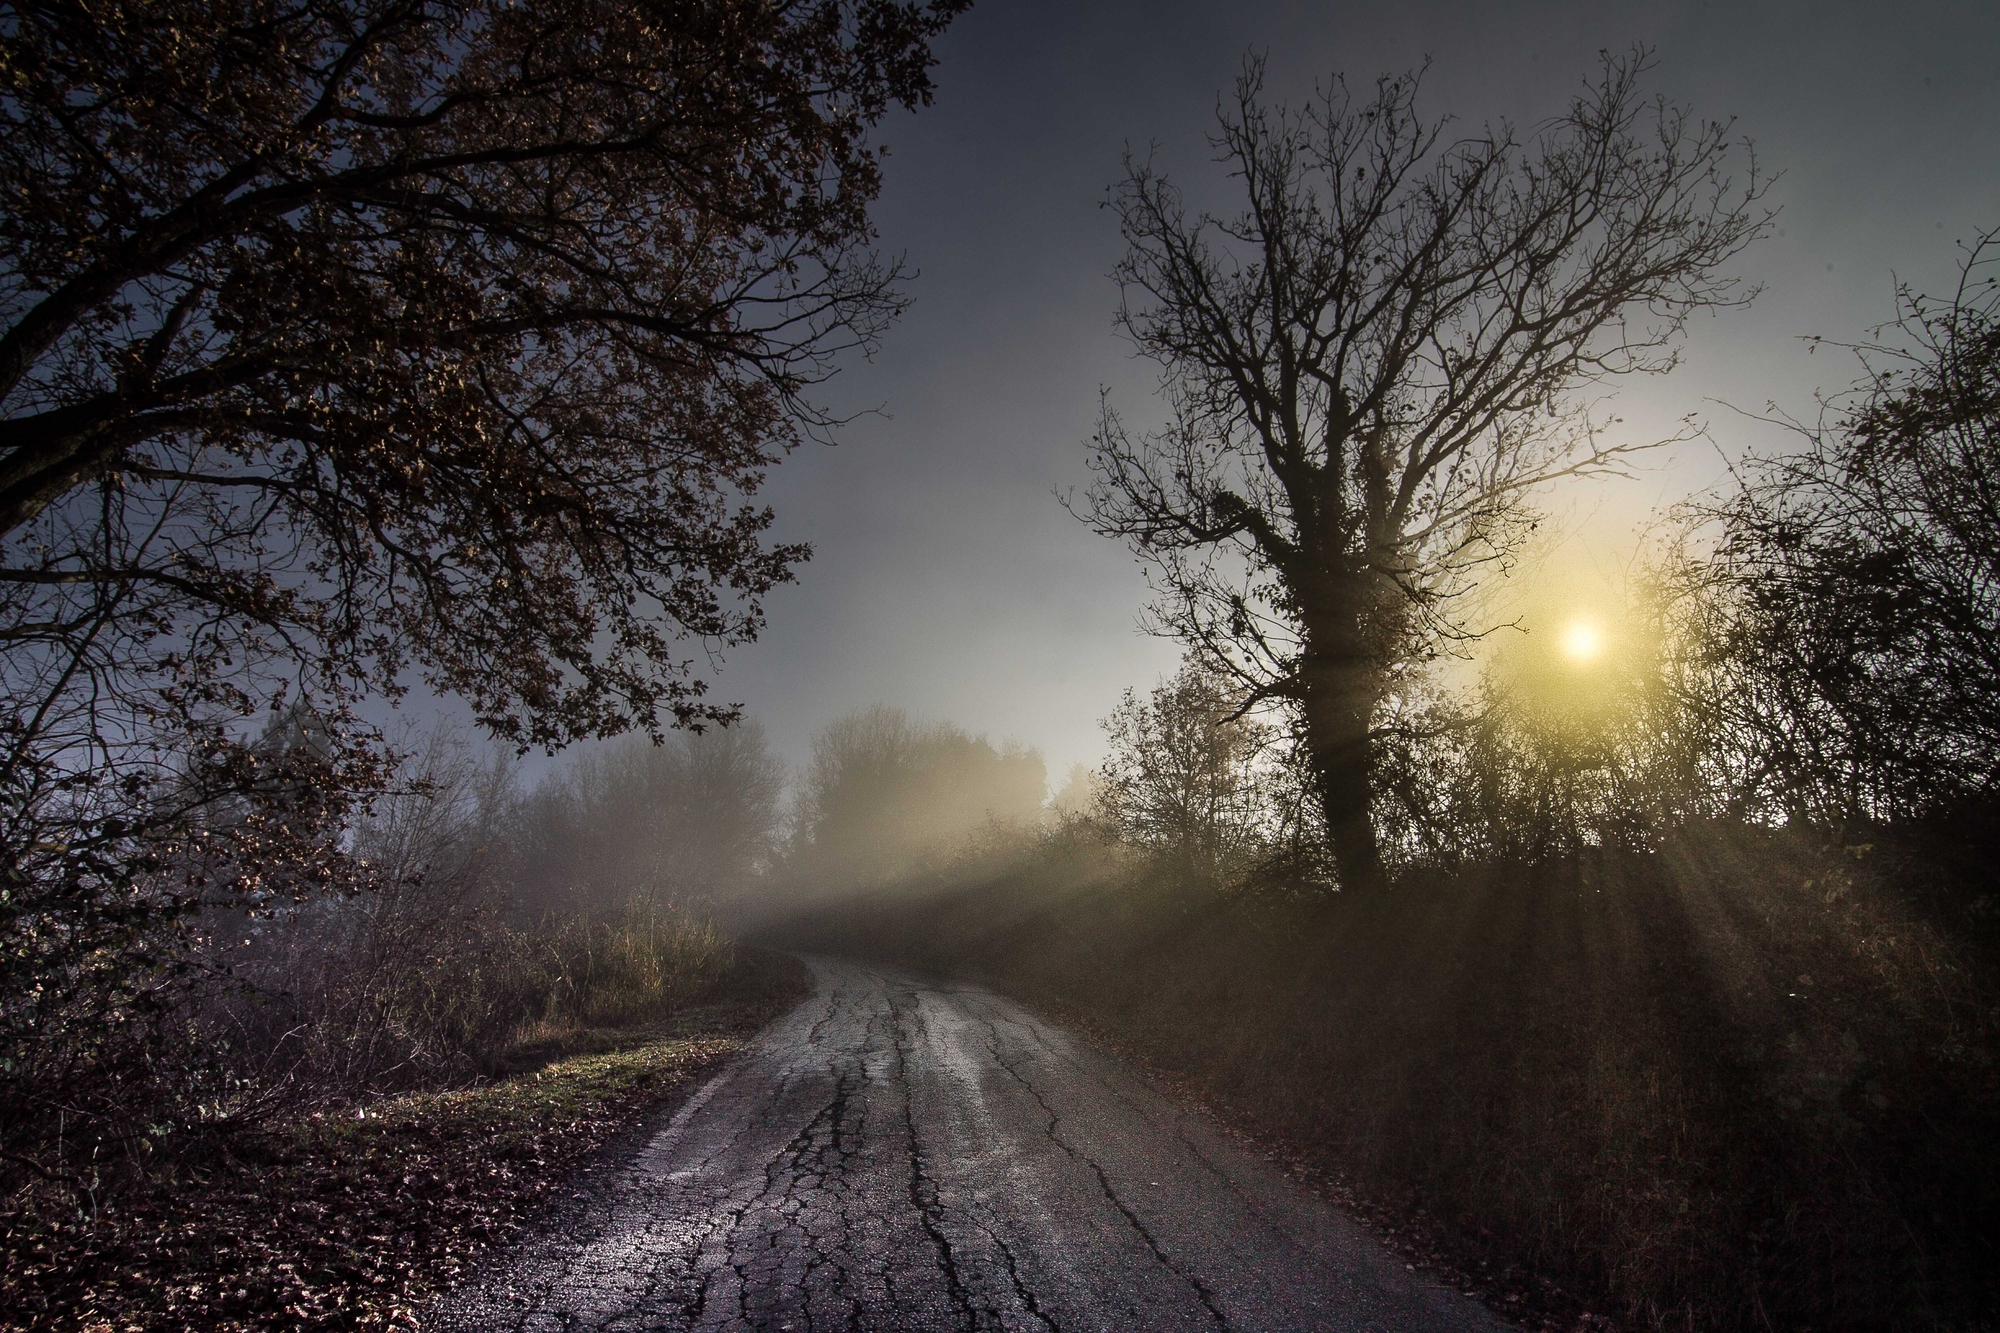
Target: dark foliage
366 341
1857 652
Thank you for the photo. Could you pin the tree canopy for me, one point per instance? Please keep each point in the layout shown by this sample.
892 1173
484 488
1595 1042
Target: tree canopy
358 343
1371 368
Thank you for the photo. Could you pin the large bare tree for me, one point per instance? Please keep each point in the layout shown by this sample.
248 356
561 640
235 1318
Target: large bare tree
345 343
1371 368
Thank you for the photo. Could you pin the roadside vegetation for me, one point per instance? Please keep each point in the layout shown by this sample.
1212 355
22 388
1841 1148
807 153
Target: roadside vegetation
329 1108
1661 990
352 1217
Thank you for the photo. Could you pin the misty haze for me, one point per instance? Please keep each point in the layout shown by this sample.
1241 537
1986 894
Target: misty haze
988 665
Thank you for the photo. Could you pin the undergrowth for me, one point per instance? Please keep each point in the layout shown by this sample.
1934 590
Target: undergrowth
351 1218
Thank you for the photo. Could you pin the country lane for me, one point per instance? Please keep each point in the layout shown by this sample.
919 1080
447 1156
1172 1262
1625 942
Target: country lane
898 1154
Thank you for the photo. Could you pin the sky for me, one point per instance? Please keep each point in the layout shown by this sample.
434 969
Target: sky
947 578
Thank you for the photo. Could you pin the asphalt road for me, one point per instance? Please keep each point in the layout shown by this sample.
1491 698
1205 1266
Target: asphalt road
899 1154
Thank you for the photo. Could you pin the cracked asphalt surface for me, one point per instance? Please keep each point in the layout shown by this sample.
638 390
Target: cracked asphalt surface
903 1154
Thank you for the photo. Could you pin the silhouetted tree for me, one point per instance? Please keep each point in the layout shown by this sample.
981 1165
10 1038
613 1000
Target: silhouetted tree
1182 779
1854 583
1371 367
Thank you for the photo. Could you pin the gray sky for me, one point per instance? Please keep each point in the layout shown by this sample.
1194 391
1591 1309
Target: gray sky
948 580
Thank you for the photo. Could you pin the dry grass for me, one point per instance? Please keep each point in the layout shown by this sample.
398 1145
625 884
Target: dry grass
350 1219
628 968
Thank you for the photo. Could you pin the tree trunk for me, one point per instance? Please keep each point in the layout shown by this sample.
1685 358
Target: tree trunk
1339 714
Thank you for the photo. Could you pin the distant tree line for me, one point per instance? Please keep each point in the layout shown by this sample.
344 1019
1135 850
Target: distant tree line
887 797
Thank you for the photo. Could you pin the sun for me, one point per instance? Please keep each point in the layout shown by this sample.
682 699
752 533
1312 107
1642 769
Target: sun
1582 642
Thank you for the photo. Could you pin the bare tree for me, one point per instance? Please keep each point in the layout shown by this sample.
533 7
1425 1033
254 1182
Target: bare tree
1183 779
1851 589
1371 368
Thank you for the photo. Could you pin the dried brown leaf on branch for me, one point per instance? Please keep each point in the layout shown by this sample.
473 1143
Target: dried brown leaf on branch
364 343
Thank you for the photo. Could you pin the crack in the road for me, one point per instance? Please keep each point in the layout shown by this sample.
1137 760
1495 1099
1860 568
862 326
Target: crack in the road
813 1163
805 1177
832 1007
789 1163
869 1165
1201 1289
1177 1123
1203 1292
923 1190
1022 1291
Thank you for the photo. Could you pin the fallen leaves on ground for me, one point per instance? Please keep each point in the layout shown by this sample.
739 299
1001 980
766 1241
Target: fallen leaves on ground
348 1219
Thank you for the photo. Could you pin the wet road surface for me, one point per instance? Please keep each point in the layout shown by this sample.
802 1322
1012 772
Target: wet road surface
901 1154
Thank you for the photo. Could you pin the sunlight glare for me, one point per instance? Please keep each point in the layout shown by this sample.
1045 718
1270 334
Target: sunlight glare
1582 641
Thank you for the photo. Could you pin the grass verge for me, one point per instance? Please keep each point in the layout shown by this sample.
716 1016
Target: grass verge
351 1220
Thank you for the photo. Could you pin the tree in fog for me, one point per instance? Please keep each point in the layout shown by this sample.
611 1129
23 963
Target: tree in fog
369 341
429 826
885 794
1079 797
1372 366
1852 593
691 819
1182 779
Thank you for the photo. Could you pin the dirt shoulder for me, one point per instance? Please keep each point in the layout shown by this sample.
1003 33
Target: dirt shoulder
351 1220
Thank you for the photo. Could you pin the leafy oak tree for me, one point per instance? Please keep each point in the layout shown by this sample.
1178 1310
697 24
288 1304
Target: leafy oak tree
1373 366
351 343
